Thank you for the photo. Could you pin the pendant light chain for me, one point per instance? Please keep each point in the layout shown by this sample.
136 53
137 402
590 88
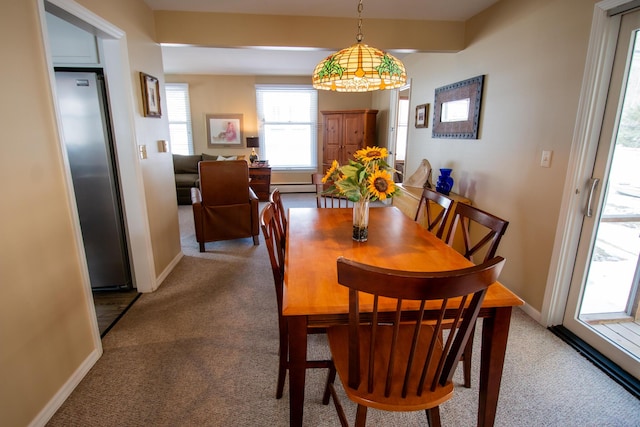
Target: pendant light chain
359 36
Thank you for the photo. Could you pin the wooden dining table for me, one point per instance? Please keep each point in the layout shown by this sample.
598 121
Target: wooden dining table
313 296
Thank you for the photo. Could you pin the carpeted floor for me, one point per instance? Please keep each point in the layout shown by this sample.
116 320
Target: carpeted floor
202 351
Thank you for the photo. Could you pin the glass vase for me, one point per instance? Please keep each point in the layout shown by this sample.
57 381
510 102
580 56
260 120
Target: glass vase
445 181
361 220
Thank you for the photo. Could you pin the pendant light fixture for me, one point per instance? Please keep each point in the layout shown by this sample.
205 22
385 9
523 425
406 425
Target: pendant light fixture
359 68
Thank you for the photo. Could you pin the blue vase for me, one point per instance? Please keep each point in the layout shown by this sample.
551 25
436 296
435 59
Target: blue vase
445 182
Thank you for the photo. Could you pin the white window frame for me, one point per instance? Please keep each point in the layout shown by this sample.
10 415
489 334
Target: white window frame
172 91
264 149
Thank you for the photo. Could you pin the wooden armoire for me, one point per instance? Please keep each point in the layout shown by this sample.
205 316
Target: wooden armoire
345 132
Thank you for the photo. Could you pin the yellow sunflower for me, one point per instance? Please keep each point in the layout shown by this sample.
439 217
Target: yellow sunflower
334 167
381 184
371 153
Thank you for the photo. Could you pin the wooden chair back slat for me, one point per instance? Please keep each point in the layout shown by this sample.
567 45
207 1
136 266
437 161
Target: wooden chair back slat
435 222
280 213
490 227
324 200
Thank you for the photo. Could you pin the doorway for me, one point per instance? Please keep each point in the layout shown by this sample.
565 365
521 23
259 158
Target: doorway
120 92
399 117
602 302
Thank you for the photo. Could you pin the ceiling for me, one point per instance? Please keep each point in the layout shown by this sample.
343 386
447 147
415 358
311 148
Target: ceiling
239 61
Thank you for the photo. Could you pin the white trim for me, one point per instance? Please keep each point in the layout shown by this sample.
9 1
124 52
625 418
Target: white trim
169 268
117 70
65 391
595 84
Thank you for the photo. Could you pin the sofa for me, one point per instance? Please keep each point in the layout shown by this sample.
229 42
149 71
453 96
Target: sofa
185 170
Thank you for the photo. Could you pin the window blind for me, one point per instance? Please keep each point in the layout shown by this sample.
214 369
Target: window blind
179 115
288 126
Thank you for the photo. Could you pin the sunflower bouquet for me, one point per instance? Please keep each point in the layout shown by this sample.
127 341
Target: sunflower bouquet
366 178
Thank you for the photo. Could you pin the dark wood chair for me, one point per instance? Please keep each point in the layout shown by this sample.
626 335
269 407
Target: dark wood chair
274 242
435 218
398 360
281 214
488 230
324 200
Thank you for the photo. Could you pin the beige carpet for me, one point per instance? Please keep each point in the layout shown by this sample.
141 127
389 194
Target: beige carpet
202 351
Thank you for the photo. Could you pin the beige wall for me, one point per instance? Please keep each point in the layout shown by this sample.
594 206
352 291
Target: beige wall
45 331
209 94
532 53
230 30
46 326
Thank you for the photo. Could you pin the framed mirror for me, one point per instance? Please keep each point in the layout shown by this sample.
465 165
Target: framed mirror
456 112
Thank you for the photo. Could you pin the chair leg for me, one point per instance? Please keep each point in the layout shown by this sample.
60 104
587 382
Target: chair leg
331 377
466 360
282 374
283 359
361 416
256 241
201 246
433 416
338 406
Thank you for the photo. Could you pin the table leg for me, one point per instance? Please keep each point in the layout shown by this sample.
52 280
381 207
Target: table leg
495 331
297 368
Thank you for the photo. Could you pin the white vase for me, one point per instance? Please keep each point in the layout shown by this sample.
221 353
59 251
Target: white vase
361 220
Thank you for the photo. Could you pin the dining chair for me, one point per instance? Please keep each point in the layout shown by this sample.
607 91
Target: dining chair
398 360
435 218
280 213
488 231
324 200
275 248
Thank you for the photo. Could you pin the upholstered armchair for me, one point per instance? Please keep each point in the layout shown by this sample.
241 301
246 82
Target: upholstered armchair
224 207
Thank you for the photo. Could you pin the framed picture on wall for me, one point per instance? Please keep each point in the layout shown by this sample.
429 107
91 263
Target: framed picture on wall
150 95
456 110
422 116
224 130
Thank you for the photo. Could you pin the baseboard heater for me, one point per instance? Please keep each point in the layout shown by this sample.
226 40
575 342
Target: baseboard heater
294 187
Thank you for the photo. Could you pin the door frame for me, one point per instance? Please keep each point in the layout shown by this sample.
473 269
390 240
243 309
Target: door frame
120 91
593 97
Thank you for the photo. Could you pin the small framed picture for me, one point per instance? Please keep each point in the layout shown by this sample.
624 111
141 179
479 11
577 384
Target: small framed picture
224 130
422 116
150 95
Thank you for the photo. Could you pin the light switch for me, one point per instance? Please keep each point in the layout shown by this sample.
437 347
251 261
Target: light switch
163 146
143 151
545 161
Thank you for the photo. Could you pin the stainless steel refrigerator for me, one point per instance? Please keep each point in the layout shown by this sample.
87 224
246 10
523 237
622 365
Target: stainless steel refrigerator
90 149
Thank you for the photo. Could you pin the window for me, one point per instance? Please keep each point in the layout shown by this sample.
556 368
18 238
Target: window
403 124
288 121
179 114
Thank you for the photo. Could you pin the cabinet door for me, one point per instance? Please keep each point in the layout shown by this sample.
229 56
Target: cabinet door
332 140
353 134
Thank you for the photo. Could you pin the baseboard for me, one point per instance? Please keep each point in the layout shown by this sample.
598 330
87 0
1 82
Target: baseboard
63 394
168 269
531 312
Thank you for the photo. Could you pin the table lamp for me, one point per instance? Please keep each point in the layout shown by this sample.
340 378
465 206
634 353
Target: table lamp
253 142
